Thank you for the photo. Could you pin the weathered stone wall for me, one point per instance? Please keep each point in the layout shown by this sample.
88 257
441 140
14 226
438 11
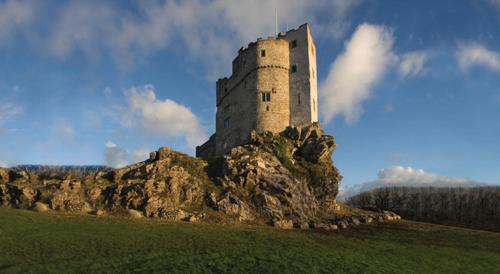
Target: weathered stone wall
261 68
272 77
303 82
236 104
208 149
265 67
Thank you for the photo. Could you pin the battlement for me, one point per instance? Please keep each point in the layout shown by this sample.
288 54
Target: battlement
272 86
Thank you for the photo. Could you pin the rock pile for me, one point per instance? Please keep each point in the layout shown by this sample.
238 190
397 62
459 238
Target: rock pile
287 180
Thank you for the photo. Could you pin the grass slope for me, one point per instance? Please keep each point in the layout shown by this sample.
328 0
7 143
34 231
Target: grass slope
35 242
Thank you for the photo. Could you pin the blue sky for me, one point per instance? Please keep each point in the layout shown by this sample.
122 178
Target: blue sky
411 87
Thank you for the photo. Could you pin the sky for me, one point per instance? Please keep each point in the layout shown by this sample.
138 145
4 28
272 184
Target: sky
410 89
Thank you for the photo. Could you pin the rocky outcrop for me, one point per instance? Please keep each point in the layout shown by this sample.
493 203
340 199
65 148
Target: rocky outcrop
4 174
287 180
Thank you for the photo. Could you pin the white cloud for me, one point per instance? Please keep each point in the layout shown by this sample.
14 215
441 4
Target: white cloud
14 14
406 176
140 154
7 111
118 157
82 25
162 118
354 73
474 54
208 31
115 156
413 63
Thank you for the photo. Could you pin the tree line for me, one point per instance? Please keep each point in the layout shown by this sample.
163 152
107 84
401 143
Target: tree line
476 207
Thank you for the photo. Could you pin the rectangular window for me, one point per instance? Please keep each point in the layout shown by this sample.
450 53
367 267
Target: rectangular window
226 123
298 99
266 96
263 53
294 68
294 43
314 105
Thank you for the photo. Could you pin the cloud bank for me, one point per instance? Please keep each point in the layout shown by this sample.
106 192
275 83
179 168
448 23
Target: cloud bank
163 118
476 55
352 76
208 31
406 176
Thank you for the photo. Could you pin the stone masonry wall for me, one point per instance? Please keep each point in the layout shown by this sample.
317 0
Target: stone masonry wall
303 82
240 107
265 67
273 78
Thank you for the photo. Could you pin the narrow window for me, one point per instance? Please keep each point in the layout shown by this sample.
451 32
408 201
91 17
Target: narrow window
314 105
263 53
298 98
226 123
267 108
314 74
294 43
294 68
245 84
266 96
225 90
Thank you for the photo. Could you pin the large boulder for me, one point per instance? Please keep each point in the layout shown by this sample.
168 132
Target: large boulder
288 176
161 187
40 207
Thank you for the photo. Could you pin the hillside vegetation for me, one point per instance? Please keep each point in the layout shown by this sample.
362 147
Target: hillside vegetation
58 243
477 207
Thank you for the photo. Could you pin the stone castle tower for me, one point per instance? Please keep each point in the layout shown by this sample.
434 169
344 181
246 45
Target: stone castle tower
273 86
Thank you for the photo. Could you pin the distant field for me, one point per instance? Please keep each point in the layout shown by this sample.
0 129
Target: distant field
49 243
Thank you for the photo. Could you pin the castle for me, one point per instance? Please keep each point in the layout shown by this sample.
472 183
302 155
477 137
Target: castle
273 86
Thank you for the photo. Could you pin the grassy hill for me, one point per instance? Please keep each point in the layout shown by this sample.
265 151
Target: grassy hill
34 242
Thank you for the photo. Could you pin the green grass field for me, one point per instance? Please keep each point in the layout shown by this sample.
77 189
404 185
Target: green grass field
49 243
